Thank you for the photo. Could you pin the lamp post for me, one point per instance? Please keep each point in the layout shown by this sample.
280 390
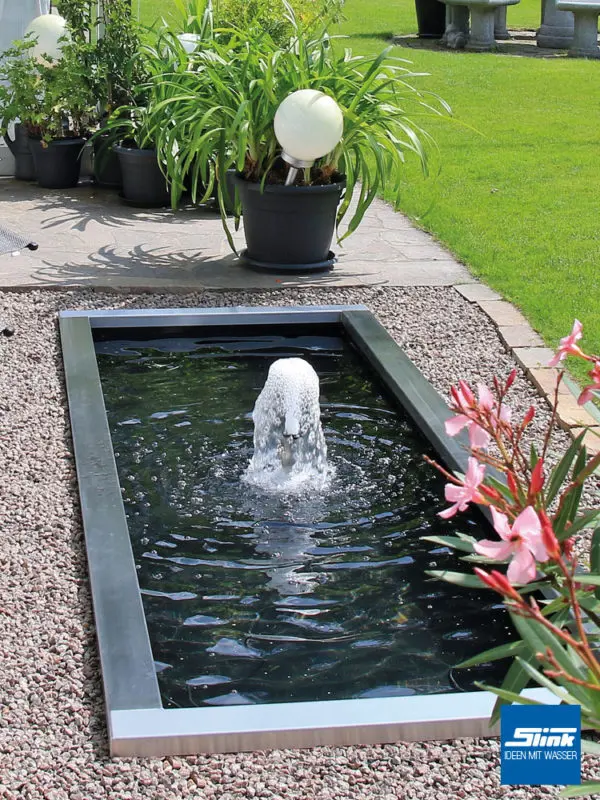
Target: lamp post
308 125
48 30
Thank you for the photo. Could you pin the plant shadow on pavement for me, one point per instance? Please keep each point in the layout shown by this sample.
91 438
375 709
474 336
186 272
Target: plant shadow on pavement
191 269
88 204
140 262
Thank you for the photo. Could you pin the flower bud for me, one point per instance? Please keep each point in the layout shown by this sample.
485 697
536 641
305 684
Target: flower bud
466 392
549 537
512 485
510 380
537 479
489 492
528 416
498 582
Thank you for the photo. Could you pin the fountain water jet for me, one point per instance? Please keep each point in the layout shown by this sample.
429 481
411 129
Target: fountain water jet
289 447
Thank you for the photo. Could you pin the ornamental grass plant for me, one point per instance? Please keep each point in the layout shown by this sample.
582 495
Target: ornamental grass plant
218 115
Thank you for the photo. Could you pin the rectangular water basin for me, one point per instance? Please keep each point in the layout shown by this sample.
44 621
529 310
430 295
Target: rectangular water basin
229 621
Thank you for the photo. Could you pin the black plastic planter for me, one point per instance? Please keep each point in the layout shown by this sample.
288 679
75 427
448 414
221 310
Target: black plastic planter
289 228
229 196
19 147
144 185
57 163
107 170
431 18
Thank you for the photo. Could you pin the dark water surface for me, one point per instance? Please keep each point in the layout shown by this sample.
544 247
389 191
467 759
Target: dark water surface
258 598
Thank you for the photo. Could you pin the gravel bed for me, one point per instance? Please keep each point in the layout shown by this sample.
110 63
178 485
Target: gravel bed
52 727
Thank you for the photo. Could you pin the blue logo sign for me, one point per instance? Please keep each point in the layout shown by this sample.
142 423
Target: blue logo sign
540 745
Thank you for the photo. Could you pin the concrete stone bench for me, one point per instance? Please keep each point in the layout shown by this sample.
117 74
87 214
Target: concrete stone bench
483 14
585 33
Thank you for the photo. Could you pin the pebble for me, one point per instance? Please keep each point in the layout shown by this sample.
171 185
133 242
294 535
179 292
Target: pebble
52 736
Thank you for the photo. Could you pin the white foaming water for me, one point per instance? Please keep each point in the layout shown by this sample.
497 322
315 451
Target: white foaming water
290 453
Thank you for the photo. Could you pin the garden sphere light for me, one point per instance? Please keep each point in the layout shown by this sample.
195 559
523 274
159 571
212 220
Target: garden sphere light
47 29
308 125
189 42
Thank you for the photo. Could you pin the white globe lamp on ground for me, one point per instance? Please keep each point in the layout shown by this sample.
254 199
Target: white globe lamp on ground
308 125
48 30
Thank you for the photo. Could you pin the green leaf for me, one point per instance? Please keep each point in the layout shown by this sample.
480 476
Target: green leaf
515 680
465 544
563 694
571 499
501 487
494 653
458 578
595 557
593 748
533 456
539 638
588 580
560 471
584 521
586 788
507 697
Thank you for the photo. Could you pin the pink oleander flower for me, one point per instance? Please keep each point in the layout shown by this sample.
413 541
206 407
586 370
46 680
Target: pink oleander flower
523 542
478 438
468 492
567 345
486 405
588 391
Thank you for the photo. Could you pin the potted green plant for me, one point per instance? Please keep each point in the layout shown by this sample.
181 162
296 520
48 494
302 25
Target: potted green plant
64 114
18 101
144 184
120 71
135 129
131 130
221 113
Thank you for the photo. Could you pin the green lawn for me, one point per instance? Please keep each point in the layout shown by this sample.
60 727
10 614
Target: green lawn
517 197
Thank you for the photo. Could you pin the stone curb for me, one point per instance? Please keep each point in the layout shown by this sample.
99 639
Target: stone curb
528 349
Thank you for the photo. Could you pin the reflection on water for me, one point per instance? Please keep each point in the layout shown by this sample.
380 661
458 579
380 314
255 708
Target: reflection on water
255 597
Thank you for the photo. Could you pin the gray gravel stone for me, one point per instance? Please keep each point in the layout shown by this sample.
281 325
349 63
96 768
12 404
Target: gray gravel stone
52 727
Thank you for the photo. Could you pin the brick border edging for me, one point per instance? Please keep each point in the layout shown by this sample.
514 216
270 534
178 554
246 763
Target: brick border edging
529 351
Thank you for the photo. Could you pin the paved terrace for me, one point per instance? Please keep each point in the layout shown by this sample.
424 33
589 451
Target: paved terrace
87 236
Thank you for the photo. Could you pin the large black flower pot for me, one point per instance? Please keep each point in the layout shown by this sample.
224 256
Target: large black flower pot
107 169
57 163
431 18
144 185
289 228
229 195
19 147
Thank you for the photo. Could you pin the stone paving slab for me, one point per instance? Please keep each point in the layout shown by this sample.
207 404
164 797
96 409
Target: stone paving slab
87 236
591 440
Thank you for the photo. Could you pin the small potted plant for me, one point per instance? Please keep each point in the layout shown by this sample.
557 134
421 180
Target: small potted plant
222 114
65 113
133 129
18 101
119 70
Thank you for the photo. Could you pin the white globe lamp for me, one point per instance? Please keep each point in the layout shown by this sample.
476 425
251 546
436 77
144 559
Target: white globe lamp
47 30
189 42
308 125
